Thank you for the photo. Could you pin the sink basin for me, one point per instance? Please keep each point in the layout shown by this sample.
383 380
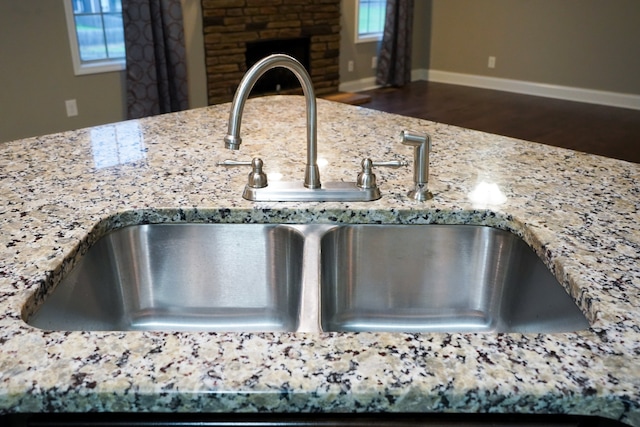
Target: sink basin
439 278
182 277
309 278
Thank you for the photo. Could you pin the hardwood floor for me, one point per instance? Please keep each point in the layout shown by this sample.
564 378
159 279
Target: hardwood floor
607 131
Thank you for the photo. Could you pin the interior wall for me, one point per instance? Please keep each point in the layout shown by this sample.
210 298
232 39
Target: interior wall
359 53
37 72
577 43
37 75
421 48
194 44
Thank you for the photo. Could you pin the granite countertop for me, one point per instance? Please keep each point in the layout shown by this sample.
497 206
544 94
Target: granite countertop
579 212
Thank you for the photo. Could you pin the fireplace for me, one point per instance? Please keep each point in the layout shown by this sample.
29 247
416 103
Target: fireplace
232 27
278 80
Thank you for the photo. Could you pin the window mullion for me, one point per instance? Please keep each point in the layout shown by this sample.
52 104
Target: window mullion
104 33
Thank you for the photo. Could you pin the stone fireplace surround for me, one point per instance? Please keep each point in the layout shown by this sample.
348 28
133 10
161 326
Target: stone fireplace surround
228 26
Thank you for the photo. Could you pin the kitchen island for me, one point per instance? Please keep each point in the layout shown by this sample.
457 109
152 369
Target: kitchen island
579 212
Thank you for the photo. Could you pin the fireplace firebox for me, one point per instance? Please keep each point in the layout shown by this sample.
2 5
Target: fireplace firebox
277 79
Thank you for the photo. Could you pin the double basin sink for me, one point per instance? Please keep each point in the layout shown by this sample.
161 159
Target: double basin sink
310 278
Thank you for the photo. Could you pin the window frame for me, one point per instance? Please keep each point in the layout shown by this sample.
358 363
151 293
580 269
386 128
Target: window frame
83 68
368 38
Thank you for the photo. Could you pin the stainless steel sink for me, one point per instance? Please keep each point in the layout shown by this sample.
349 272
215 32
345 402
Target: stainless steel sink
182 277
439 278
309 278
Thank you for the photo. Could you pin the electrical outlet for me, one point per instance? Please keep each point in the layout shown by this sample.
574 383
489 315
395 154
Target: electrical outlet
72 107
350 66
374 62
492 62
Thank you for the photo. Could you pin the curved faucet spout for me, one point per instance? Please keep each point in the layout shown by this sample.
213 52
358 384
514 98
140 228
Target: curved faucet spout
233 140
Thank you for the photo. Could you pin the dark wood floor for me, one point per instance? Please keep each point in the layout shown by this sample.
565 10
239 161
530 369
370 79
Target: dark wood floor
596 129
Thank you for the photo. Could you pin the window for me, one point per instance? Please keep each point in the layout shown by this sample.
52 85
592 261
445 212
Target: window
96 35
370 19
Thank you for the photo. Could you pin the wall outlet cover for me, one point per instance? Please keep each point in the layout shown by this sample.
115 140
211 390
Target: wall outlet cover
72 107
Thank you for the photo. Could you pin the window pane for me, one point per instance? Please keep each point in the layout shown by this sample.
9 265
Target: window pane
371 14
86 6
90 37
111 6
99 29
114 31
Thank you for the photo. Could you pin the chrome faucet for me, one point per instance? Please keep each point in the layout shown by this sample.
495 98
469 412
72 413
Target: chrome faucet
233 140
258 187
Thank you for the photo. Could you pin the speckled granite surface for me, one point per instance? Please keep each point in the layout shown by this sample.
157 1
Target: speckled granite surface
580 212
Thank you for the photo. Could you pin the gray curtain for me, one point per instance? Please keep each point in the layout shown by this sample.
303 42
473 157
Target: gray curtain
156 77
394 59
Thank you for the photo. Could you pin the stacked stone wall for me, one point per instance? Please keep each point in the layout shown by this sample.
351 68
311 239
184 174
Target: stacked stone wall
228 26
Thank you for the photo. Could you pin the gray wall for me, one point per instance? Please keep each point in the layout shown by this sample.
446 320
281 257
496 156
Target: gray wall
422 25
359 53
37 73
592 44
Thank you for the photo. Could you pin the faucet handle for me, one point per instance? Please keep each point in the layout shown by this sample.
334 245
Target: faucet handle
257 178
367 179
229 162
395 164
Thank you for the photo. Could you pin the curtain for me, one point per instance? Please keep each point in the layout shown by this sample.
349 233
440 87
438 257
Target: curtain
156 77
394 59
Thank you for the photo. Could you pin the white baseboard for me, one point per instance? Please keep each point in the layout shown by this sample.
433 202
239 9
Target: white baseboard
370 82
359 85
612 99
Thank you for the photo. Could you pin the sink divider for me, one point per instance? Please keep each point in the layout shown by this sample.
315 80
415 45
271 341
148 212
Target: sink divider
309 315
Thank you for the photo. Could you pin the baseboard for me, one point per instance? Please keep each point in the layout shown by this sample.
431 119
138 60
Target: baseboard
370 82
612 99
359 85
567 93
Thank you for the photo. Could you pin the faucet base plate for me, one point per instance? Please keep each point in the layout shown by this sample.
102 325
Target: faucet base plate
297 192
420 193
